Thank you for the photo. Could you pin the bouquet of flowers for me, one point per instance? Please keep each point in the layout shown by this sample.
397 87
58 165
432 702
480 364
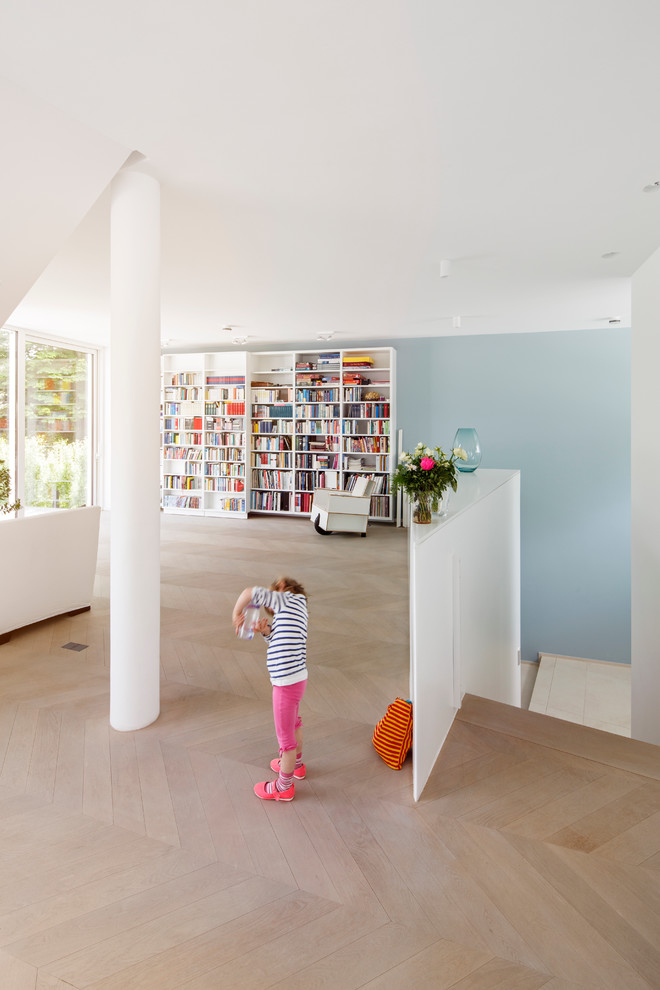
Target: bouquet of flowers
425 475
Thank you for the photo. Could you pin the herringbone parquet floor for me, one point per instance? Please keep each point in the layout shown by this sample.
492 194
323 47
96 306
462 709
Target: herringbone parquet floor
143 861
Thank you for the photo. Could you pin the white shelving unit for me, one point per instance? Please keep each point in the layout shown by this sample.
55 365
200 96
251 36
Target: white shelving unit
182 417
259 432
368 423
203 434
225 474
271 432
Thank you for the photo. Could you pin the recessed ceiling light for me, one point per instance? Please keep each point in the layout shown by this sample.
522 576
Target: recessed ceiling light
239 340
609 254
652 187
614 319
325 336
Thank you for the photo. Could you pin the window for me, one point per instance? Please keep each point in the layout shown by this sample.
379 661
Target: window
58 428
7 405
48 420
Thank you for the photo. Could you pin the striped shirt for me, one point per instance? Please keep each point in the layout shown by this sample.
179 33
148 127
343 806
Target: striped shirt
286 657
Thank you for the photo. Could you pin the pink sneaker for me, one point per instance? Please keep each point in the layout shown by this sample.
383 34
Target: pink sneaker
265 792
298 773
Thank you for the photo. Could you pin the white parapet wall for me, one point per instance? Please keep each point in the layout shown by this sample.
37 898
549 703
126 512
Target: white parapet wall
464 609
49 565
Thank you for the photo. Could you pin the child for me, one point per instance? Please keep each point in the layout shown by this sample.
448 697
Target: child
286 659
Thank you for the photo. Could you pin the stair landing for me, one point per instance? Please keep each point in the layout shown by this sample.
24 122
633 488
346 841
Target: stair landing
588 692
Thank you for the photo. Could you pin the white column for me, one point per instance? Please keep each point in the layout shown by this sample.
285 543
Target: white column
135 396
645 496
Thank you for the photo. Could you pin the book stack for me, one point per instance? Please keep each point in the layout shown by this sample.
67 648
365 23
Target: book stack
358 361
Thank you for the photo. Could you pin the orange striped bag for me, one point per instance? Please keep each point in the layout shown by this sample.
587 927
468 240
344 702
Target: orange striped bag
393 734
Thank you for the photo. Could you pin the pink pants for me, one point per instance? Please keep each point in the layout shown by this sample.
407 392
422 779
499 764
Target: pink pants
286 704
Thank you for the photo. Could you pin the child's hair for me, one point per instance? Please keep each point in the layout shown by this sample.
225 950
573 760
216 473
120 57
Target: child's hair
290 584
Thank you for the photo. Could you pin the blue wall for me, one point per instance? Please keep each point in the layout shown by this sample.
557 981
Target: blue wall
556 406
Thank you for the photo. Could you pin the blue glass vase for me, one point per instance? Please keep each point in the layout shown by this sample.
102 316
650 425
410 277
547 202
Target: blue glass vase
468 439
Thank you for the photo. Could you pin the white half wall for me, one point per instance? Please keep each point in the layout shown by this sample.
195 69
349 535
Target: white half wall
464 609
645 500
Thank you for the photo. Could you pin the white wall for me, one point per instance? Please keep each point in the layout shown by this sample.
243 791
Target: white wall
645 502
464 609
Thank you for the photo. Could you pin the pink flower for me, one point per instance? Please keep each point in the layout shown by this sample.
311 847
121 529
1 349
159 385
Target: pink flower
427 463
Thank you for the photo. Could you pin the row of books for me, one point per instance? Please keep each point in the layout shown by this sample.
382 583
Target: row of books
273 480
230 504
307 481
368 427
317 395
303 502
182 502
318 426
270 501
228 407
314 410
181 439
368 410
224 485
182 453
271 443
367 445
330 359
224 454
317 461
212 379
184 378
179 394
284 411
272 394
330 442
381 482
176 481
272 459
315 379
182 423
225 439
272 426
224 469
379 507
228 393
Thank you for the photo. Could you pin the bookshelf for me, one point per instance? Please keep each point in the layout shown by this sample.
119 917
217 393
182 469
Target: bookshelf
259 432
367 424
271 432
318 424
203 434
182 412
337 426
225 482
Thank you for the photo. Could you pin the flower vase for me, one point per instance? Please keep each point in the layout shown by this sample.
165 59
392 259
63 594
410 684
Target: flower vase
443 503
468 439
422 509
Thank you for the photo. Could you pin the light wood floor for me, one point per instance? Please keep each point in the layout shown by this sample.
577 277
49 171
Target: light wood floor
143 861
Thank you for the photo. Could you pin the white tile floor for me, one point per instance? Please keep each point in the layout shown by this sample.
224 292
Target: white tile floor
585 691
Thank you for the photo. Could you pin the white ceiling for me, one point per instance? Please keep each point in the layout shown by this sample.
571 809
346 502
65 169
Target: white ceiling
319 158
